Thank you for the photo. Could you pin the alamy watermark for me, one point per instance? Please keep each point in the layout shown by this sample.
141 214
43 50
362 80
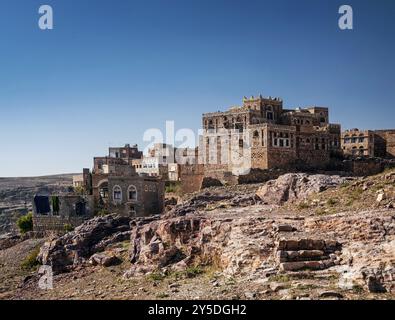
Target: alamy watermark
46 280
45 22
345 21
220 146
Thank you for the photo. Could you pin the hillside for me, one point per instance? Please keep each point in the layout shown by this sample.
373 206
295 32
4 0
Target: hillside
298 237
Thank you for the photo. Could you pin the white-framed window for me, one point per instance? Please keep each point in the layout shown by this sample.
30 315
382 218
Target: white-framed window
132 193
117 193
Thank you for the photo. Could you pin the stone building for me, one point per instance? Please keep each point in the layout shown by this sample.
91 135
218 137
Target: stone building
368 143
164 161
58 212
83 180
155 163
117 156
126 192
265 135
118 187
357 142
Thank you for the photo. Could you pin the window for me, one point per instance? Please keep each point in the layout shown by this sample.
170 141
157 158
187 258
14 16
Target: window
117 193
361 139
103 190
132 193
80 208
269 115
263 138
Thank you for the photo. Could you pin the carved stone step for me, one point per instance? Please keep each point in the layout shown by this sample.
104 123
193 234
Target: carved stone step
328 246
306 265
301 255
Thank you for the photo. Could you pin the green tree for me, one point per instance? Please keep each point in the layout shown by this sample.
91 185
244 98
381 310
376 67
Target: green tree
25 223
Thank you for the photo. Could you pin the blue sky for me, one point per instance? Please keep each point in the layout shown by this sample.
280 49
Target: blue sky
109 70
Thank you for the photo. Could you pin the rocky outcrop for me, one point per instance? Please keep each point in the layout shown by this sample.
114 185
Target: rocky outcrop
104 259
368 248
296 186
9 239
233 245
222 197
78 246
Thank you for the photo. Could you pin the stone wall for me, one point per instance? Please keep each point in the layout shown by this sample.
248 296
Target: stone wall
363 167
55 223
386 143
191 177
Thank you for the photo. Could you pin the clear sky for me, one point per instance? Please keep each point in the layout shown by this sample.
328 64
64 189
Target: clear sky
110 69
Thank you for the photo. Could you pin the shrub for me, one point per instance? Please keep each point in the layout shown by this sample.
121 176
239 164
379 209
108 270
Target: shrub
303 205
68 227
102 212
79 190
30 262
358 289
331 202
55 204
156 276
320 212
173 187
25 223
194 271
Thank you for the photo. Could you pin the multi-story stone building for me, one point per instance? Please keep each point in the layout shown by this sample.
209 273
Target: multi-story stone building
268 136
368 143
117 156
357 142
155 163
126 192
117 187
163 160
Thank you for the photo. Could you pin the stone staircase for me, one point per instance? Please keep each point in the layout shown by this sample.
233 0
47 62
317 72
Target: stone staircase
300 254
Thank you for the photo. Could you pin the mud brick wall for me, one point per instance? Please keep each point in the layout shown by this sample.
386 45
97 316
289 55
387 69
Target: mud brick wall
55 223
191 177
364 167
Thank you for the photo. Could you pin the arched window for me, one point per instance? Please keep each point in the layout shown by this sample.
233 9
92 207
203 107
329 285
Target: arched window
132 193
256 134
103 189
117 193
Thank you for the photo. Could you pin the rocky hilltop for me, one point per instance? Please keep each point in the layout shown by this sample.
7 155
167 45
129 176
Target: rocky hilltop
297 237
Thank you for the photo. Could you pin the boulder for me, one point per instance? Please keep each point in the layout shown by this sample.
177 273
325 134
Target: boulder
76 247
296 186
104 259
